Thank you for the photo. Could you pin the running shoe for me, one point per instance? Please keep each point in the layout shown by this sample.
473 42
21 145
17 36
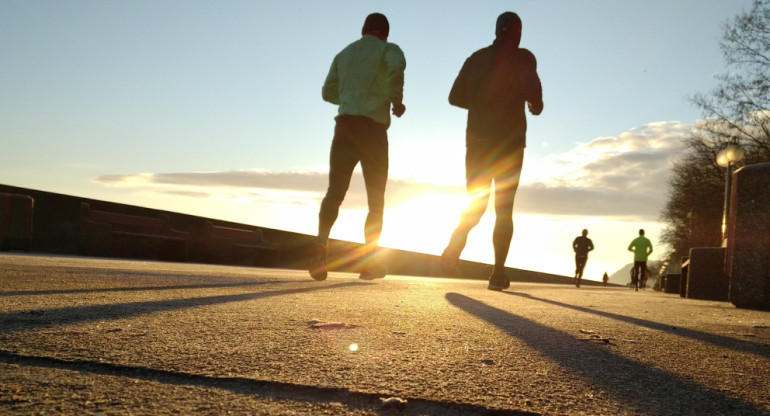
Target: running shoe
317 267
498 282
450 261
373 272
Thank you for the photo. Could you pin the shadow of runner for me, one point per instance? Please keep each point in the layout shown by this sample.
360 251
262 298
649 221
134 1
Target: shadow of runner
645 389
761 350
141 288
23 321
371 402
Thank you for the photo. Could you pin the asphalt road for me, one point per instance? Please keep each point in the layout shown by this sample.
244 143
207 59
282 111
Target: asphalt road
88 336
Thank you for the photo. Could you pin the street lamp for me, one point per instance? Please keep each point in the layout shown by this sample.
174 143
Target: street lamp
727 158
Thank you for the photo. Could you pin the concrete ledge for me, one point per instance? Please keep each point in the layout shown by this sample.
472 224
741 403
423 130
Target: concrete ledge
706 278
748 239
672 283
57 228
16 211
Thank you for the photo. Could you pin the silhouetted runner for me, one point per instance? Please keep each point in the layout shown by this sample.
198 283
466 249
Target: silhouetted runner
581 245
494 85
365 79
642 247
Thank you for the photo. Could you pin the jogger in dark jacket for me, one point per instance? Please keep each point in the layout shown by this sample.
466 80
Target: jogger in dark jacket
494 85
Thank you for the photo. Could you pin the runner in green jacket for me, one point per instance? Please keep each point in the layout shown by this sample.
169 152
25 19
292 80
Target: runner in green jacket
642 247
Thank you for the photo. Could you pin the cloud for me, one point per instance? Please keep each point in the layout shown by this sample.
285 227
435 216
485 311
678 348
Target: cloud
245 179
625 176
297 187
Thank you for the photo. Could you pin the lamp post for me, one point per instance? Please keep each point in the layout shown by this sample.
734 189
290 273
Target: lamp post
727 158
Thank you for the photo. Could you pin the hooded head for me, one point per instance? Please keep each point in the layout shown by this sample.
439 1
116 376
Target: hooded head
508 28
376 24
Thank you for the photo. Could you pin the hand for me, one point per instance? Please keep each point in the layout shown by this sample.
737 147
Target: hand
398 109
535 109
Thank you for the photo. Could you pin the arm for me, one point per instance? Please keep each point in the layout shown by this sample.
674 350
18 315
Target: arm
590 245
331 90
458 96
535 96
396 62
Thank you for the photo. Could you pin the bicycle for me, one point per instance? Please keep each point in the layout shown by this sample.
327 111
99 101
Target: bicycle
636 282
634 279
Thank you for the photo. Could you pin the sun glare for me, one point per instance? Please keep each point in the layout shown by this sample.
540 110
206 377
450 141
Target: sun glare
422 223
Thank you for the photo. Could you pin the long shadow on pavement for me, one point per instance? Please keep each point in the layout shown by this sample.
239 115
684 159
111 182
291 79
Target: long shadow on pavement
353 400
718 340
22 321
647 390
142 288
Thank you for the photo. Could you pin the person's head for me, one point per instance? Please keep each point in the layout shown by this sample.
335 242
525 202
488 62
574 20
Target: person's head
585 233
376 24
641 232
508 28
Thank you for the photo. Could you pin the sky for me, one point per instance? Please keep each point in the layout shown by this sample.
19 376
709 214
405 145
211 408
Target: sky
214 109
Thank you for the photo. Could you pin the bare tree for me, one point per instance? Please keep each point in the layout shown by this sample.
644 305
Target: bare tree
736 111
739 108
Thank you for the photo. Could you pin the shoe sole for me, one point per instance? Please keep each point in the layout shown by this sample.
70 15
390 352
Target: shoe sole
495 288
319 276
364 276
369 278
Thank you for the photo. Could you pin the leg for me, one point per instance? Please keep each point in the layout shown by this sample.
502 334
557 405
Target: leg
580 262
374 165
478 186
581 265
636 275
470 218
342 161
506 185
506 167
577 265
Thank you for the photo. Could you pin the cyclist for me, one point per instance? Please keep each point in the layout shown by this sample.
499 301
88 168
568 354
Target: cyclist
641 247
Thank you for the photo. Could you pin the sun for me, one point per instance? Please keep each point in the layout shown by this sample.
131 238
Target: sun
422 223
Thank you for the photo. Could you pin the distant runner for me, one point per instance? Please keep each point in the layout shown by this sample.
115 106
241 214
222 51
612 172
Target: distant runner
581 245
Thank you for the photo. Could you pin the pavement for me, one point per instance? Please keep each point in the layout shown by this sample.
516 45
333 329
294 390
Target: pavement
101 336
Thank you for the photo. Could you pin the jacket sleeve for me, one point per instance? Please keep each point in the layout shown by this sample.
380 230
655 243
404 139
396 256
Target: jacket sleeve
535 93
396 63
331 88
458 96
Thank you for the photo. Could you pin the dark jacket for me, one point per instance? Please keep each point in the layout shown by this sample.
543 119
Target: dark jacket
494 84
582 245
